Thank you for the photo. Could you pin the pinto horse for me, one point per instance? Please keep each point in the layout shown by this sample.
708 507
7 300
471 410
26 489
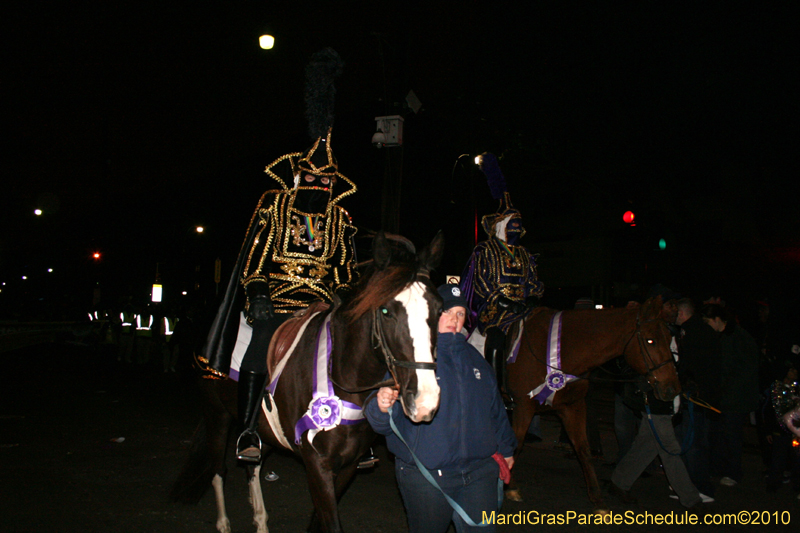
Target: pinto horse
388 323
588 339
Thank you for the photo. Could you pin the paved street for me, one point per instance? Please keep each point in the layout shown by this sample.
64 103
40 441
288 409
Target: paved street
64 467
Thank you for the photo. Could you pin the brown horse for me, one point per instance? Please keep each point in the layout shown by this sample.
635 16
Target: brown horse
589 338
388 323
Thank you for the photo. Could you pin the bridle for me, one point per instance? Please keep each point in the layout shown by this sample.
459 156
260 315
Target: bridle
379 337
379 344
647 358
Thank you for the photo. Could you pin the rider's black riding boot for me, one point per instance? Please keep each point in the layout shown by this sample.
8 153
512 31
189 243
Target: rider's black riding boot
497 360
248 446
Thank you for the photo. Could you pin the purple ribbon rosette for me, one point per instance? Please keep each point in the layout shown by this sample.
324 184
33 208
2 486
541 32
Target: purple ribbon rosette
326 410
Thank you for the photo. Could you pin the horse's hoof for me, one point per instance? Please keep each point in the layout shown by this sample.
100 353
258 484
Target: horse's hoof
513 495
602 511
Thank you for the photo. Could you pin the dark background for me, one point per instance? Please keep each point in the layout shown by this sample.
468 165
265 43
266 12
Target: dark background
129 123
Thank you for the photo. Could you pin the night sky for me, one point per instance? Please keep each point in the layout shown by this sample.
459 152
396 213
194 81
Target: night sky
131 124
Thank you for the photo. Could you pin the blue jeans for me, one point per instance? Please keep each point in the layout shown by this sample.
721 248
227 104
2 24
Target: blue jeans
473 488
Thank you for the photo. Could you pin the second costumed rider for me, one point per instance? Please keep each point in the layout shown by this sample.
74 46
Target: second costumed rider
500 281
298 249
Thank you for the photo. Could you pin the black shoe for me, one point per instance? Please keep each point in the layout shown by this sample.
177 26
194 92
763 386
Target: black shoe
622 495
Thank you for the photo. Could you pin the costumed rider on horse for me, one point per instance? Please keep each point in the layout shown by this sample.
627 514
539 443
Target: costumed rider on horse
298 249
500 281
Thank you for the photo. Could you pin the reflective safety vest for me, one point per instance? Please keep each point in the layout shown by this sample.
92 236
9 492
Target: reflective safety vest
142 329
168 327
127 321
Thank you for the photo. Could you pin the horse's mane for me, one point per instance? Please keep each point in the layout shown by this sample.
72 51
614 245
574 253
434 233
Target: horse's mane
378 286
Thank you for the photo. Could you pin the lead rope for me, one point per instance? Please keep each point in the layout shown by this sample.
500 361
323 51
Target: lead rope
456 507
688 437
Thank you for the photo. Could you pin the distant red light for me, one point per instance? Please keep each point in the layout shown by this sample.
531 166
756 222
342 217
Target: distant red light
628 217
96 255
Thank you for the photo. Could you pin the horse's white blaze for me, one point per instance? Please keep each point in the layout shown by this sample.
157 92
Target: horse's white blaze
427 399
223 524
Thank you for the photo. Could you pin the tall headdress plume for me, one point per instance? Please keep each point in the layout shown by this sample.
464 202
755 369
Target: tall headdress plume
320 95
494 176
497 186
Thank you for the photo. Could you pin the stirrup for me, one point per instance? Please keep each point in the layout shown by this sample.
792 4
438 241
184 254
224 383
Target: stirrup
251 454
508 401
367 461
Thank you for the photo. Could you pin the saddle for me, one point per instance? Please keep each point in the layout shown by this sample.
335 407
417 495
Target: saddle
284 336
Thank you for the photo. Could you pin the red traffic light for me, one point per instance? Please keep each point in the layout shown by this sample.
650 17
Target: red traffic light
96 256
628 217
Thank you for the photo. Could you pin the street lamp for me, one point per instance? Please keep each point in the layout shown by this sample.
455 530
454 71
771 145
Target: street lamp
158 289
266 42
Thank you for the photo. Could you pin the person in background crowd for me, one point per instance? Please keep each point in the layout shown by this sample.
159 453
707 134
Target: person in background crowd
656 436
698 369
738 393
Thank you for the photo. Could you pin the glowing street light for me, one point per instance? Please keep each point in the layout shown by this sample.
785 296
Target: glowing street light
266 42
37 212
199 229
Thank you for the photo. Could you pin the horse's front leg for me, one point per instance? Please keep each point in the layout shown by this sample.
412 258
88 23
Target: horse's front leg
257 499
322 486
223 524
574 418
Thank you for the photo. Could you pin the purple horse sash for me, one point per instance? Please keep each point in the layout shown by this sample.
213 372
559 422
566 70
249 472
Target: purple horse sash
326 410
556 379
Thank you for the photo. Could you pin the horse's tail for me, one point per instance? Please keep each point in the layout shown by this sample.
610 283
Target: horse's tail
197 472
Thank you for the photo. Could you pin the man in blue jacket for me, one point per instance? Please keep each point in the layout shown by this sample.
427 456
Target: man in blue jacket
458 445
